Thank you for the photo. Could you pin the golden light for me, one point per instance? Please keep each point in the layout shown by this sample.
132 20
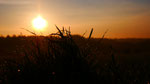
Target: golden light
39 23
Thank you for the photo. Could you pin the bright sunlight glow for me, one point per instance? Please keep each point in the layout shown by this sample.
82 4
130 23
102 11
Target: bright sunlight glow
39 23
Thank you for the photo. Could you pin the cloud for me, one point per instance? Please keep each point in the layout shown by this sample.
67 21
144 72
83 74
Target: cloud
15 2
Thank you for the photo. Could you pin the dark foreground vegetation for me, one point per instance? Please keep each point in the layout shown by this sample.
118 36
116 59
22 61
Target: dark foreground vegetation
73 60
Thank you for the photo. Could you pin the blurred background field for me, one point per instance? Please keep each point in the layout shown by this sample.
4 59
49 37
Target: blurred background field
126 50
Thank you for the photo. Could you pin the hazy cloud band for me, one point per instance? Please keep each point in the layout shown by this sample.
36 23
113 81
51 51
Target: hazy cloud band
15 2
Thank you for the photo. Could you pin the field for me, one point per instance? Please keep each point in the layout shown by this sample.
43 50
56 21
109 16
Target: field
73 59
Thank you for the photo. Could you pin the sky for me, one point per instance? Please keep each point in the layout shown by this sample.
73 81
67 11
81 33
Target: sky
123 18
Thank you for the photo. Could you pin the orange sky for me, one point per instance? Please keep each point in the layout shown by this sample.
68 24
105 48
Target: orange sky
123 18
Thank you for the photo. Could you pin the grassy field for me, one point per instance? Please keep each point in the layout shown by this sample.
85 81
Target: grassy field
73 59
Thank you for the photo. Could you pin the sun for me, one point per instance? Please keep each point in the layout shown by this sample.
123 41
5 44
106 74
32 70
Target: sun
39 23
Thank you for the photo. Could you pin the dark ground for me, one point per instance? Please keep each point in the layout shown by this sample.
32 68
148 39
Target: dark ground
123 60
